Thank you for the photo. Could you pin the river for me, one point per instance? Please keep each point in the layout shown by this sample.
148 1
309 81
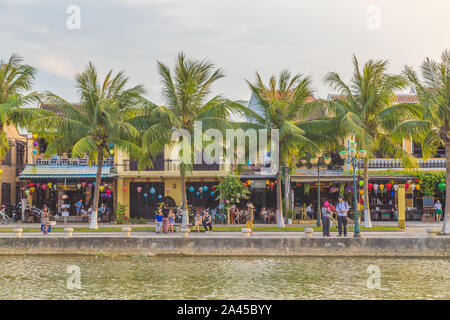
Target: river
55 277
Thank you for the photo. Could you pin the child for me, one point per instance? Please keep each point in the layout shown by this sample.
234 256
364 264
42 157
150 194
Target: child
171 220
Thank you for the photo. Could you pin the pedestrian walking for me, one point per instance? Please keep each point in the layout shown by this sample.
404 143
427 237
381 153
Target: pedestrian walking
45 220
438 212
250 216
158 221
342 210
326 213
165 220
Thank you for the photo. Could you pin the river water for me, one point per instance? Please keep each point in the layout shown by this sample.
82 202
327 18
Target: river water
55 277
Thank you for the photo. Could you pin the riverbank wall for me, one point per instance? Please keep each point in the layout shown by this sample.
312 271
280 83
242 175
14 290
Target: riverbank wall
404 247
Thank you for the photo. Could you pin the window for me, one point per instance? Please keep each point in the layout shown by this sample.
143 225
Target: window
6 193
7 160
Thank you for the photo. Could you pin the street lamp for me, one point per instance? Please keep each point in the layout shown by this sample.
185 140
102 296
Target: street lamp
318 161
350 156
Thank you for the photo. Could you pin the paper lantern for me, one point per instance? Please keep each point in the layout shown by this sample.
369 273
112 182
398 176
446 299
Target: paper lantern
361 192
167 189
34 151
49 184
418 187
23 188
413 186
267 182
213 188
381 187
249 182
83 184
197 193
35 144
31 184
79 186
395 187
406 186
205 188
152 190
389 186
139 189
191 189
111 145
27 192
35 136
375 187
441 186
212 193
111 152
108 192
391 181
101 188
370 186
361 183
44 186
1 171
160 196
124 189
146 195
90 185
32 189
38 185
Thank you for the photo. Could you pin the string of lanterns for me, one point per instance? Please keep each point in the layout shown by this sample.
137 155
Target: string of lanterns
31 187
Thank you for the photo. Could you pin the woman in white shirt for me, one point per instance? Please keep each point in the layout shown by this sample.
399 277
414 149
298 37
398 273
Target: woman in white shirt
438 207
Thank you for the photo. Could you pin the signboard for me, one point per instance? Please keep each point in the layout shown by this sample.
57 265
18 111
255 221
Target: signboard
428 202
258 184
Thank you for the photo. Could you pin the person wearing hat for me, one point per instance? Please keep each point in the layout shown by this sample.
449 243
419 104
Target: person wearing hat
326 212
250 216
342 209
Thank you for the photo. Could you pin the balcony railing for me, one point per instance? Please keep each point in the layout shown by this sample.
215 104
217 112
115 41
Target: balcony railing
397 164
61 160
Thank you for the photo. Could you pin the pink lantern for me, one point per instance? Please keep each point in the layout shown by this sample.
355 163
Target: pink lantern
139 189
167 189
108 192
388 186
406 186
90 185
44 186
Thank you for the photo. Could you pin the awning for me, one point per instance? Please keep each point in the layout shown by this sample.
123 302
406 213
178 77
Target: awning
63 171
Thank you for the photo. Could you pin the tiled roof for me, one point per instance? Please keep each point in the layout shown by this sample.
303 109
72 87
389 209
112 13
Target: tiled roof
399 98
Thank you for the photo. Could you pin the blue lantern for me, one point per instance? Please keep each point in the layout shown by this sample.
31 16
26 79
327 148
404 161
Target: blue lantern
205 188
146 195
152 190
159 196
212 193
111 145
191 189
197 193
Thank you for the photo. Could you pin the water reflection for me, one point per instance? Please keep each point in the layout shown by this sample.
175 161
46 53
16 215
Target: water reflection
223 278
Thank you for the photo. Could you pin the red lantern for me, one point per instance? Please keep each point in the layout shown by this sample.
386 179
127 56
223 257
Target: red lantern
125 189
271 185
406 186
388 186
245 184
31 184
370 186
83 184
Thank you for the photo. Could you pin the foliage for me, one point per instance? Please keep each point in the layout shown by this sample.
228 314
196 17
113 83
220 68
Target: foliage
429 181
232 189
121 217
138 221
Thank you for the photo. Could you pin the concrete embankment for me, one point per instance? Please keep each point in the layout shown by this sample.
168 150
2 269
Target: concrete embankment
219 246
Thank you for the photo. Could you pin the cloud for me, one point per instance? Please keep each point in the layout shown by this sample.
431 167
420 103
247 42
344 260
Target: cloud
56 65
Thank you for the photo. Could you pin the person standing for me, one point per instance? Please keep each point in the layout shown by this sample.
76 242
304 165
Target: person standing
342 209
250 216
207 222
158 221
265 215
78 207
165 220
45 220
438 212
326 212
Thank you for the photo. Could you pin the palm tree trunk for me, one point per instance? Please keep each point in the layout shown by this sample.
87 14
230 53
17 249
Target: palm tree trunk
280 221
185 217
446 225
98 180
367 221
286 188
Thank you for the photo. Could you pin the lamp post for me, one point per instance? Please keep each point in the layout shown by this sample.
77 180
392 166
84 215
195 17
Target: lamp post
318 161
350 157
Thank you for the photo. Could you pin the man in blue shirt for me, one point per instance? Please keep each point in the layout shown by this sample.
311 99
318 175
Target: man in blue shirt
158 221
342 209
78 207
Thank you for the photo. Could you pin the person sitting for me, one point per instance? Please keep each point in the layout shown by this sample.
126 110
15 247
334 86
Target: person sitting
394 212
101 212
171 220
207 222
158 221
197 221
310 211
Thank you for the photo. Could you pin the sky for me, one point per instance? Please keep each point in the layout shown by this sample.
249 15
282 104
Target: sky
311 37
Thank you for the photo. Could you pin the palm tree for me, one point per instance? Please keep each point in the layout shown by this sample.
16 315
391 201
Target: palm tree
186 91
366 110
432 127
281 105
16 80
95 125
